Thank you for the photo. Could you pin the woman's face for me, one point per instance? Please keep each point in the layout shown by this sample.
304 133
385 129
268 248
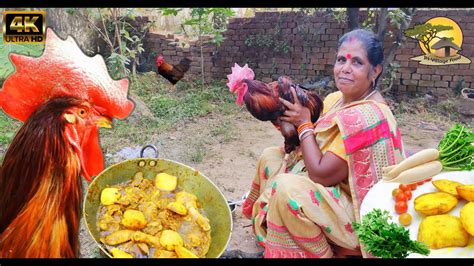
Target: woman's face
352 71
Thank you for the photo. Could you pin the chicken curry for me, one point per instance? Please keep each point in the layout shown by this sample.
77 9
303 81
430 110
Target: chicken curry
142 218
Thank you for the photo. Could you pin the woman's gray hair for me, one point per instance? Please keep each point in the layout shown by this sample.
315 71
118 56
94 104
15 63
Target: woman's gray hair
371 43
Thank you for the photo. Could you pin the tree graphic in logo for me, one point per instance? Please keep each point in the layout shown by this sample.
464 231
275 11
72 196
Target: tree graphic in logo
440 38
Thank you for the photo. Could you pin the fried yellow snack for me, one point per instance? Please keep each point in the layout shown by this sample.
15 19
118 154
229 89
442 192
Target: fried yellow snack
435 203
441 231
177 207
109 196
467 217
133 219
118 253
166 182
466 192
447 186
183 252
170 239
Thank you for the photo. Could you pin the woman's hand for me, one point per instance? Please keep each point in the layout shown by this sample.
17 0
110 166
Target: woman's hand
296 113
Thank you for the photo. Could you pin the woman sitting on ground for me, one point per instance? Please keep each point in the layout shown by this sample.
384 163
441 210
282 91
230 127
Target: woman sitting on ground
303 204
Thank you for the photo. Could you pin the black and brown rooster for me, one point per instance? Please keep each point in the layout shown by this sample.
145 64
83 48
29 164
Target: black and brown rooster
173 73
262 100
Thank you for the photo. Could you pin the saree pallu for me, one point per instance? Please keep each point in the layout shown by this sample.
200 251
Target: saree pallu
294 217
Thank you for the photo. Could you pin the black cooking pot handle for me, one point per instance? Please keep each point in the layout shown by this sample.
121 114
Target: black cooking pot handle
155 149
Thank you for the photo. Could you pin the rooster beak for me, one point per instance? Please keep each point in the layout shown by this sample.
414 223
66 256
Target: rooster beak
104 122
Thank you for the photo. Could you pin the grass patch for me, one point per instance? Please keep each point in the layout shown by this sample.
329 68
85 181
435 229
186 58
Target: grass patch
8 128
170 108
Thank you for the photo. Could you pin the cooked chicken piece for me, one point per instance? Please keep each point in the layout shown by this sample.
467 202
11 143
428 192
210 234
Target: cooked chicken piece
187 199
146 184
114 210
153 228
149 209
145 238
163 203
144 248
118 237
137 179
161 253
200 219
177 207
108 223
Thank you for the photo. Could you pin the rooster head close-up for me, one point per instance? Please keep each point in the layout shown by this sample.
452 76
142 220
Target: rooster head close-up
63 70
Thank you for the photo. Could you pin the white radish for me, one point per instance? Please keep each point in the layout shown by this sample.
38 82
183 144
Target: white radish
387 169
419 158
419 173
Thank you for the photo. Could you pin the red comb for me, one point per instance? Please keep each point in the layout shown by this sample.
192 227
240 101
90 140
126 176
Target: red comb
62 70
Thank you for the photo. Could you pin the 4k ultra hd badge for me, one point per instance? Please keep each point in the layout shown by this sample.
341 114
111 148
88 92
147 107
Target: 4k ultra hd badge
24 26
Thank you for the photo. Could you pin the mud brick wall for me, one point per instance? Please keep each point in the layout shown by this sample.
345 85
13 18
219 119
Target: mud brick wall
304 47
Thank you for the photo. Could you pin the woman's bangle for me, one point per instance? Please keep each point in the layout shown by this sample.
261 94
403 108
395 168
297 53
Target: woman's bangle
303 132
305 125
305 136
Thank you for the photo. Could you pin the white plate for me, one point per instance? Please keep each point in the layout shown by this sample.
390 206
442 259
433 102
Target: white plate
380 196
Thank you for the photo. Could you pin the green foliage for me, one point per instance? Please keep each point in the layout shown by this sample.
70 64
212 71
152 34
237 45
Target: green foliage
8 128
209 21
124 39
386 239
166 11
274 41
192 99
459 86
392 69
6 67
369 23
455 149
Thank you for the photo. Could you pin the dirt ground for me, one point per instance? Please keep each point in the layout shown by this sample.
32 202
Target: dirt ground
227 152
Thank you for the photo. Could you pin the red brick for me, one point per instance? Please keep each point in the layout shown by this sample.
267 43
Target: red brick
410 82
403 57
435 77
447 78
424 71
426 83
426 77
442 84
416 76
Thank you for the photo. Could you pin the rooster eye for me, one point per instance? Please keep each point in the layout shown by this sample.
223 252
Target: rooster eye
82 112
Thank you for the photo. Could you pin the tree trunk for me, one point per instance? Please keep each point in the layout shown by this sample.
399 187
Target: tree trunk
382 24
202 55
399 39
353 18
65 24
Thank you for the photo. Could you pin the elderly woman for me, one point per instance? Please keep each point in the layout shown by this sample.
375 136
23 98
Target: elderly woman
303 204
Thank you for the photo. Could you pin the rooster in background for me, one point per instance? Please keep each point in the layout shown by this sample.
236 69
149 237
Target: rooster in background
173 73
62 97
262 100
